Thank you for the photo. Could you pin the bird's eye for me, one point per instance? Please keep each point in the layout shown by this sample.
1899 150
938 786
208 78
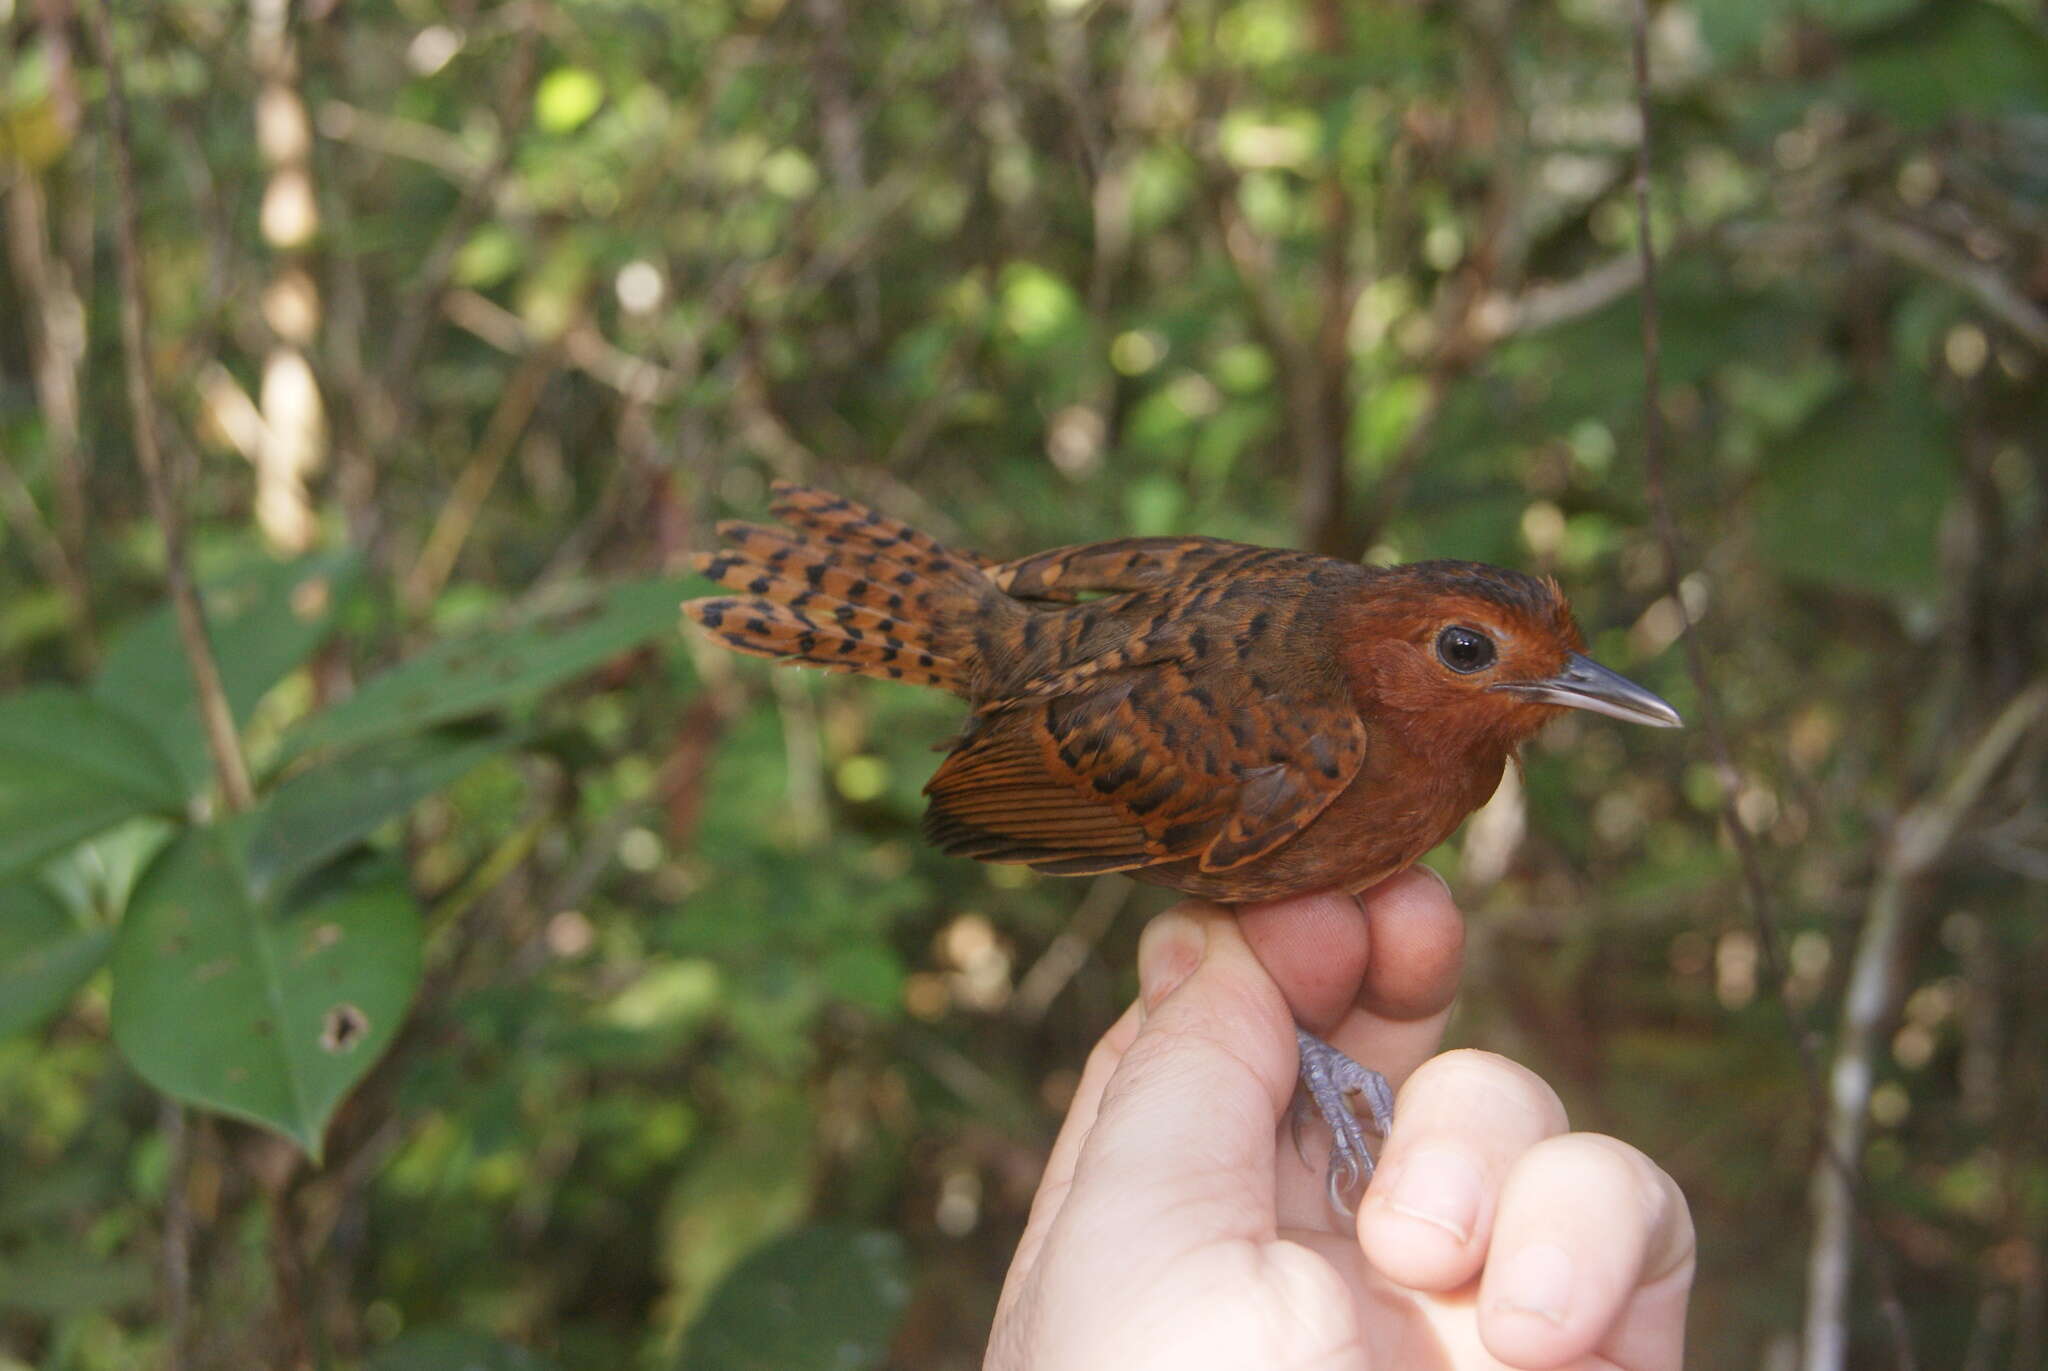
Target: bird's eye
1464 650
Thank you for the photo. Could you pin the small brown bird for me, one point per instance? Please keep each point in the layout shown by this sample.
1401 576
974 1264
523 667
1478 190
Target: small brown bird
1236 722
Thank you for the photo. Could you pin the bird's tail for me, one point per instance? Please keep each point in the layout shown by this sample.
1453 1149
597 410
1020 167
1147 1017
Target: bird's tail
843 588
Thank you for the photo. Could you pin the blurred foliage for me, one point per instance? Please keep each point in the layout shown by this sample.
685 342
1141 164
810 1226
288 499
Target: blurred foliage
605 977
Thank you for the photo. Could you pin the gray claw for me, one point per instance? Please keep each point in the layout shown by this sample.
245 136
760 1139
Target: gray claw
1329 1079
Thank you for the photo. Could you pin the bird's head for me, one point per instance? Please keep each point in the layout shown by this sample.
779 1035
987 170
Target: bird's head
1479 656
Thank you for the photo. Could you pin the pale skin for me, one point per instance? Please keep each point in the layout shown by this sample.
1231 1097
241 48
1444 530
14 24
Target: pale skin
1177 1228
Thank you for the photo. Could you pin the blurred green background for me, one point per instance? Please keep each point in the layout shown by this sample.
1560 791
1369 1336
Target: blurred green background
605 973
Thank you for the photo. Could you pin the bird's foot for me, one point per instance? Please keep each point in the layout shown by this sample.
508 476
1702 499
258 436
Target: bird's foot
1329 1080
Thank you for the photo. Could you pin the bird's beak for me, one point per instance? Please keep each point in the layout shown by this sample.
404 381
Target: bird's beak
1585 684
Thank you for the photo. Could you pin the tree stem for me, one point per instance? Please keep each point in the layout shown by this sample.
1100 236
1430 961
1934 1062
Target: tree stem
215 715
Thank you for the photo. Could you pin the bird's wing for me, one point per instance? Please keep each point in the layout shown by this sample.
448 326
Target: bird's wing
1175 759
1123 564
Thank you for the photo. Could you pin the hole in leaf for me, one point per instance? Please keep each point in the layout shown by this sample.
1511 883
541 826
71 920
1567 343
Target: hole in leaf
343 1028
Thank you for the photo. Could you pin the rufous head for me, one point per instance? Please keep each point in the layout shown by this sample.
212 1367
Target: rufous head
1479 656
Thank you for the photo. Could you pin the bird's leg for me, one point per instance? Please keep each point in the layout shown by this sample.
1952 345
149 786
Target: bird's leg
1328 1081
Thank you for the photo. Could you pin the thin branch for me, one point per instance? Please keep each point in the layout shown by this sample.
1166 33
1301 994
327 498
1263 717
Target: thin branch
417 307
54 323
1560 302
641 381
1757 889
1920 840
1066 954
458 514
840 128
393 136
177 1239
25 517
218 720
696 736
1917 248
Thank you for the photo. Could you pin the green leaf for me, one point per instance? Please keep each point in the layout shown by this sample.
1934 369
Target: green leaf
329 808
1970 58
455 1349
69 768
44 955
262 624
225 1002
1735 27
455 680
818 1299
1857 497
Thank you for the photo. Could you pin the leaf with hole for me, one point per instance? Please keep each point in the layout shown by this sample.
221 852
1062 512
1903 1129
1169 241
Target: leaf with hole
473 675
227 1002
44 955
69 768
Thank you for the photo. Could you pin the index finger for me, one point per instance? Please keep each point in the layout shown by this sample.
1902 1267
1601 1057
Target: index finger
1372 974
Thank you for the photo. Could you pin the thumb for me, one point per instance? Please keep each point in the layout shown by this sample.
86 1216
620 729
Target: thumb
1187 1125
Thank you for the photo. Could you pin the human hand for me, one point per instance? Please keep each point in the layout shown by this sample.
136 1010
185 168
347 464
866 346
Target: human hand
1176 1228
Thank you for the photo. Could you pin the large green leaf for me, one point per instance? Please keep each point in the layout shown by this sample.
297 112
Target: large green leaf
469 676
225 1002
262 624
325 810
44 955
817 1299
69 768
1963 57
1856 497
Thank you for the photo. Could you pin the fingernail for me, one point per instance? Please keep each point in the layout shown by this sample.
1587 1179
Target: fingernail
1438 875
1168 953
1440 1187
1537 1280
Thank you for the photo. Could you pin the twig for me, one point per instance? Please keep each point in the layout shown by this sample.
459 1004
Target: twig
1762 910
1917 248
25 517
1068 953
1920 840
393 136
1560 302
214 713
177 1253
56 338
840 129
295 1337
589 351
458 514
416 308
697 734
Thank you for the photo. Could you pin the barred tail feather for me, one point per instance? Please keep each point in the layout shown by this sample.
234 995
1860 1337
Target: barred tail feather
845 589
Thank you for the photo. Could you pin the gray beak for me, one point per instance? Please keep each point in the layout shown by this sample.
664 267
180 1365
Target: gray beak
1585 684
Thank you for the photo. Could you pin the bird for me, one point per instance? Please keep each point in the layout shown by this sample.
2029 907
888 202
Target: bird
1236 722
